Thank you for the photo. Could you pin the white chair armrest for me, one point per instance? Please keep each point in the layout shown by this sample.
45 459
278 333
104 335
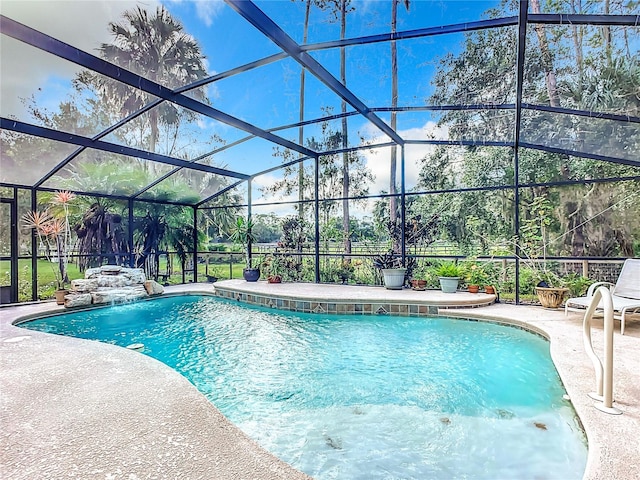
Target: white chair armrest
593 286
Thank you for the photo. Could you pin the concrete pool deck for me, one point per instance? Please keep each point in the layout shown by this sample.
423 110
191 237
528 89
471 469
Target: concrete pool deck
77 408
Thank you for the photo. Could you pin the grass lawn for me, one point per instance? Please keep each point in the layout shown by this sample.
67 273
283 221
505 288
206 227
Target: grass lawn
47 279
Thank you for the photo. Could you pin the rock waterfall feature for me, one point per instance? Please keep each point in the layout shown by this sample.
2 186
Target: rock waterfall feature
111 284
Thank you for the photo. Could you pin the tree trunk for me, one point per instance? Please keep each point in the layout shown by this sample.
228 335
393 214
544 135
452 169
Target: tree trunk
62 266
393 213
153 138
550 76
606 33
345 140
301 128
577 34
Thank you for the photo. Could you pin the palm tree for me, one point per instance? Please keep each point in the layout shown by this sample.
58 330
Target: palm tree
101 236
160 229
157 48
322 5
345 137
305 34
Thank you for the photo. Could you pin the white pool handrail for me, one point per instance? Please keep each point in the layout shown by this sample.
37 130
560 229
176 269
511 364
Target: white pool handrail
604 375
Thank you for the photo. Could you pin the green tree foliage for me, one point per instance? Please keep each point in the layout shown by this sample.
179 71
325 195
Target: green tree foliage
592 68
330 181
266 228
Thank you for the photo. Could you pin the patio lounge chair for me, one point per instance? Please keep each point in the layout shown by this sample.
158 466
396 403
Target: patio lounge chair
625 293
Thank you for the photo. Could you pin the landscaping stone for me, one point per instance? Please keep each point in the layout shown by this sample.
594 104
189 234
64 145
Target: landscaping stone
91 272
83 285
153 288
113 281
110 269
121 295
136 275
77 300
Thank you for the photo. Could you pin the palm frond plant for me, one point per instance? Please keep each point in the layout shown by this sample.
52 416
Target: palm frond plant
448 270
100 236
242 233
449 274
157 231
54 233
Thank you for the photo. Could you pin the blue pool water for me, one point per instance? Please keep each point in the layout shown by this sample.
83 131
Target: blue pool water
362 397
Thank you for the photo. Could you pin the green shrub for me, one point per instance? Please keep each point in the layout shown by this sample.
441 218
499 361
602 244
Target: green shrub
448 269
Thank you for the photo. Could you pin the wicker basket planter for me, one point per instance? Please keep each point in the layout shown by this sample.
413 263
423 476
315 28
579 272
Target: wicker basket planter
551 297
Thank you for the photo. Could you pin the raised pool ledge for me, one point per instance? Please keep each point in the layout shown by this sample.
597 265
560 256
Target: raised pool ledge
347 299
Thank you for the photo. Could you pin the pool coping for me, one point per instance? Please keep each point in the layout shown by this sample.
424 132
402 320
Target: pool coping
39 439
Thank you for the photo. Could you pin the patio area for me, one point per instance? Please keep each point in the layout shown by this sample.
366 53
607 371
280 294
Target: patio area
81 408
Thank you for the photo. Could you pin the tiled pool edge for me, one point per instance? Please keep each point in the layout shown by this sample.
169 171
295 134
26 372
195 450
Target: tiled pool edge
332 307
367 308
347 306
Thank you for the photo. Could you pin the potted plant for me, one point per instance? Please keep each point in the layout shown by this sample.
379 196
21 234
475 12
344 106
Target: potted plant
493 278
54 234
476 277
533 245
531 250
449 274
241 233
390 264
273 268
346 270
213 274
419 278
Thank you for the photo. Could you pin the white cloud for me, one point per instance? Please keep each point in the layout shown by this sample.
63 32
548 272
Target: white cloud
265 181
208 10
82 24
379 160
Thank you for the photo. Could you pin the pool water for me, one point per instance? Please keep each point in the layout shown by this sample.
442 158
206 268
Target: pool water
362 397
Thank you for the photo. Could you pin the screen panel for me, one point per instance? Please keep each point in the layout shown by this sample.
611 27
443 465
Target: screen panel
107 173
613 138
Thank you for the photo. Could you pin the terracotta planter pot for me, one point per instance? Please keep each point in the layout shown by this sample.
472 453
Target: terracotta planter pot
473 288
551 297
489 289
60 296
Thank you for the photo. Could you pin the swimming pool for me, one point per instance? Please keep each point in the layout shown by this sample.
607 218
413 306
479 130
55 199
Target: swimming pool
362 396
